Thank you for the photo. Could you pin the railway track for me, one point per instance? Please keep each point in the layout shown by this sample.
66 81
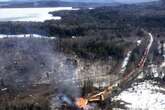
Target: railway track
117 87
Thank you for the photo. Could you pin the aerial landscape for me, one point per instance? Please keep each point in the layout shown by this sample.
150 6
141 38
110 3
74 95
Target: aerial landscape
82 55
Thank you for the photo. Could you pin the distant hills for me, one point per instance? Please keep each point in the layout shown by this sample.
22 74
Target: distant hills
53 3
73 3
110 1
89 1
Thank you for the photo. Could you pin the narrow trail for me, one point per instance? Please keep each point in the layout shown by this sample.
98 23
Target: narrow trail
125 62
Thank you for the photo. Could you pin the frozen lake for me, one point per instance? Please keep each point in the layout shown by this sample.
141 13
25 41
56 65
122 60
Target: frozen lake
30 14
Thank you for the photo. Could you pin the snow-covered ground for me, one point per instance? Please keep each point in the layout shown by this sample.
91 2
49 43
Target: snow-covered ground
30 14
162 51
139 42
146 95
25 36
125 62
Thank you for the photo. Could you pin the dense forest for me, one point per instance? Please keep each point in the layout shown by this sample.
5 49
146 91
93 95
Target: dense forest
96 32
114 21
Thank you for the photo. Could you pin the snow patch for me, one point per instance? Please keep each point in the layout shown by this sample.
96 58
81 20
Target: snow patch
144 96
90 8
162 65
151 41
125 62
139 42
25 36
